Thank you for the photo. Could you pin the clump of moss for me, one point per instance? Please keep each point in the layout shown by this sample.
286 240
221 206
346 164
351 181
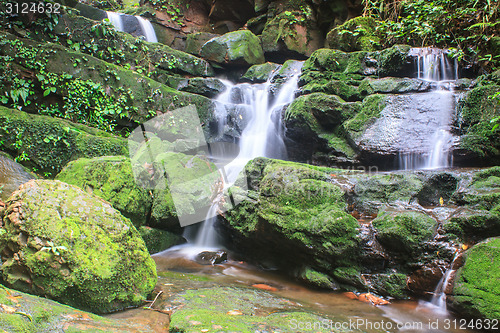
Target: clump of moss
476 289
356 34
73 247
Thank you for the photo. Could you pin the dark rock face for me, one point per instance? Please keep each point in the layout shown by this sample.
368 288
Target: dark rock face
75 248
211 258
230 10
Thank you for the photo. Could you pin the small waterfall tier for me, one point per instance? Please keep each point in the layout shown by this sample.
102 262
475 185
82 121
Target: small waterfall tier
134 25
255 110
413 130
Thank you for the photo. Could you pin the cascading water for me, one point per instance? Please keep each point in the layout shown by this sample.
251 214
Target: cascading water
146 28
434 65
261 137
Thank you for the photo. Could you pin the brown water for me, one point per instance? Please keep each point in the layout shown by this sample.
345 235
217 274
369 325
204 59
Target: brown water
410 315
12 175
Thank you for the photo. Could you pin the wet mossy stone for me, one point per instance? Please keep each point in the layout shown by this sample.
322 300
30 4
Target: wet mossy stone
471 225
403 231
294 209
111 178
393 85
317 279
71 246
194 42
48 144
393 285
291 33
477 109
157 240
132 51
238 48
145 97
208 87
393 61
27 313
260 73
483 191
356 34
238 310
476 289
373 191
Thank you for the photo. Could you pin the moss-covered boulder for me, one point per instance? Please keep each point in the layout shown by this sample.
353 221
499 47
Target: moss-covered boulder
479 142
47 144
237 48
313 124
476 289
294 209
111 178
58 241
392 284
293 33
260 73
403 231
356 34
208 87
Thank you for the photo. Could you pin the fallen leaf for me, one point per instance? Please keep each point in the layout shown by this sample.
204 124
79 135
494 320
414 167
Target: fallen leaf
8 309
369 298
235 313
350 295
264 287
465 247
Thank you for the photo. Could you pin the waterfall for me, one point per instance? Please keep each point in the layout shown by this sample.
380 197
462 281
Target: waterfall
261 137
133 24
147 30
433 65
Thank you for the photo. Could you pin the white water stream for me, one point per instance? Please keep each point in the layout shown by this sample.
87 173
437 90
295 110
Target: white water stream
434 65
147 30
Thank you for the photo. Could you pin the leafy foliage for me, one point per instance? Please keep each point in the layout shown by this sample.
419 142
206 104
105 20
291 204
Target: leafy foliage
465 25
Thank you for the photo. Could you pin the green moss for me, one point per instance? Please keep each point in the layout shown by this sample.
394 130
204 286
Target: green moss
120 93
392 60
317 279
356 34
370 111
76 249
299 209
204 308
39 314
393 285
110 178
47 144
332 87
238 48
195 41
476 289
260 73
403 231
349 275
159 240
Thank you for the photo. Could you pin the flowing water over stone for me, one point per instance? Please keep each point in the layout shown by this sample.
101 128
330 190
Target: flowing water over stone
135 25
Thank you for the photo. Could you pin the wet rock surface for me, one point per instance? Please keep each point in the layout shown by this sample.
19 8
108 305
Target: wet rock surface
211 257
76 244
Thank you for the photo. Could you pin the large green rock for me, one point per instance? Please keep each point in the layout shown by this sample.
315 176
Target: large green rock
476 289
63 243
237 48
111 178
356 34
294 209
403 231
47 144
393 85
194 42
479 141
